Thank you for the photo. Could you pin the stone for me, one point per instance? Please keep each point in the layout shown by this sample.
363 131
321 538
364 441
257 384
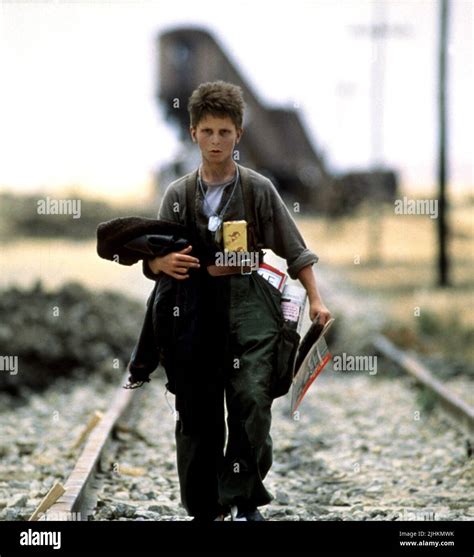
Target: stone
18 501
282 498
339 499
161 509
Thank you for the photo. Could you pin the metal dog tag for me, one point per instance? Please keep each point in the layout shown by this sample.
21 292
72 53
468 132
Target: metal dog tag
214 223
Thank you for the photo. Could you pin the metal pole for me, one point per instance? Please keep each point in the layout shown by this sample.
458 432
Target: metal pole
443 261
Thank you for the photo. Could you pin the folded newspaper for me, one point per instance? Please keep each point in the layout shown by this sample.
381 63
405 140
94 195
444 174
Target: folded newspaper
313 355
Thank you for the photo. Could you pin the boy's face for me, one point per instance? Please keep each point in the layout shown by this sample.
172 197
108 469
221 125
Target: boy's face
216 137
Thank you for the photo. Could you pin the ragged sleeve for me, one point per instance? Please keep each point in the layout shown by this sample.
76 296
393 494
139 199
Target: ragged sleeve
279 229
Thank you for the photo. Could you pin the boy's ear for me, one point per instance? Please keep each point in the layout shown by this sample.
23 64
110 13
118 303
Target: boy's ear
192 131
240 131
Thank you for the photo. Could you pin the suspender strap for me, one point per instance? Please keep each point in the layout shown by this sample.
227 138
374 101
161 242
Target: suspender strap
200 249
190 205
250 210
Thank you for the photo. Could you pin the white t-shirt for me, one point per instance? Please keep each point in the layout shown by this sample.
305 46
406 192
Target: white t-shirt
213 196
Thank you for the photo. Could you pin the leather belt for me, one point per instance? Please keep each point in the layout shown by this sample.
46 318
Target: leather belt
223 270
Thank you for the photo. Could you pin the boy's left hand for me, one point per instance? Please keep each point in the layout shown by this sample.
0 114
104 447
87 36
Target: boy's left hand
317 306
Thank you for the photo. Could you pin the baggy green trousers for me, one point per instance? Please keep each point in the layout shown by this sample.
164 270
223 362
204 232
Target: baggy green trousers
236 360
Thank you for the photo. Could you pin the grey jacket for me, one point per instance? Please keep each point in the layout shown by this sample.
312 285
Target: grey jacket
277 229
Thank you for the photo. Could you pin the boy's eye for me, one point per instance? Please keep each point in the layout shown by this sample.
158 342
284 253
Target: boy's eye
209 131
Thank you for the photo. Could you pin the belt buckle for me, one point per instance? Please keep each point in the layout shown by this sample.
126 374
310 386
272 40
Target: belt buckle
242 263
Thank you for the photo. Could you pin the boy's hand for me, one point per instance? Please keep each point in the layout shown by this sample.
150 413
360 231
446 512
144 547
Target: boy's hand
132 384
176 264
317 307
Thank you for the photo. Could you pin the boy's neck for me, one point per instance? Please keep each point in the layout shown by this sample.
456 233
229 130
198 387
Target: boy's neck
217 173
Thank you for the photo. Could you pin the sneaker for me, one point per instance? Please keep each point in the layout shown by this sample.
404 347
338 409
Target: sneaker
253 515
210 518
218 518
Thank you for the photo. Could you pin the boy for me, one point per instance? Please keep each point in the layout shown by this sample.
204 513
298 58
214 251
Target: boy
238 315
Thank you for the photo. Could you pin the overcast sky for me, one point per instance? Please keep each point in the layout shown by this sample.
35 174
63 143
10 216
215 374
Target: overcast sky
78 79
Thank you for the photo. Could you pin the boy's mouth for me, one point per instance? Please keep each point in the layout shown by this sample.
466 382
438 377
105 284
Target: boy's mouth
216 151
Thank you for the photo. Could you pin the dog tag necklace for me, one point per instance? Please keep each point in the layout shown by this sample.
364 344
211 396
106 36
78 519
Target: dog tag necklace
214 224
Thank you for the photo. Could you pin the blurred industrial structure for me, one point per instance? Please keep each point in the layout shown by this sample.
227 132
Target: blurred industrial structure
275 142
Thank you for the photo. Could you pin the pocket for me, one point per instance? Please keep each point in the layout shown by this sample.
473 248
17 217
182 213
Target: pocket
270 293
283 371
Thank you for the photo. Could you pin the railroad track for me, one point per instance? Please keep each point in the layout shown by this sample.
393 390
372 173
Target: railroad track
80 490
458 411
77 499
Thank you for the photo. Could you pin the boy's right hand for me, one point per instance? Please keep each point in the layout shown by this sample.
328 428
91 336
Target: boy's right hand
176 264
